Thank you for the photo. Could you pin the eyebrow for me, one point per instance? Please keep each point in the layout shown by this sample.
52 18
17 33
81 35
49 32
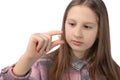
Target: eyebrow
87 22
70 20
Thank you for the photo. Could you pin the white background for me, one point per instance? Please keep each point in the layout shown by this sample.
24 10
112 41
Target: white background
21 18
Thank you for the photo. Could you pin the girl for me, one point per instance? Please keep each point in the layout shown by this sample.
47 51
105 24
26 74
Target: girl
84 52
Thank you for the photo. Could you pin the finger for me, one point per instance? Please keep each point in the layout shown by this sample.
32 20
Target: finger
51 33
46 41
36 42
49 42
56 43
40 43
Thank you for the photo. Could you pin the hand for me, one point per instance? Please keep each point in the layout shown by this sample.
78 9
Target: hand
38 45
41 43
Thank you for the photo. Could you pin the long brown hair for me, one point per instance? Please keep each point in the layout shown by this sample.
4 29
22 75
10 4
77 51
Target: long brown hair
100 59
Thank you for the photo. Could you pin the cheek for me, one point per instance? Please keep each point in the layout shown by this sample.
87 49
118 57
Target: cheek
91 39
68 30
68 34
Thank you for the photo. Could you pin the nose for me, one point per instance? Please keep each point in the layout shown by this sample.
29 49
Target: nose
78 33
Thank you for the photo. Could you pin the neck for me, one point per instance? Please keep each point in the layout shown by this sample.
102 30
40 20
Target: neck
78 54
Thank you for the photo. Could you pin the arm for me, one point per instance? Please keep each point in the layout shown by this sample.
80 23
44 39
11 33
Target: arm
7 73
38 45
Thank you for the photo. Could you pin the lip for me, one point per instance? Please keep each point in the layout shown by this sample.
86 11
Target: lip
77 43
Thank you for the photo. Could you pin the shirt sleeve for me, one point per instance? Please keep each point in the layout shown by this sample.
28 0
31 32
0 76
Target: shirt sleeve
7 74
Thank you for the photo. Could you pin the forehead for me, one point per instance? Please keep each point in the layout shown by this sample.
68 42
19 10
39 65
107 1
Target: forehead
82 13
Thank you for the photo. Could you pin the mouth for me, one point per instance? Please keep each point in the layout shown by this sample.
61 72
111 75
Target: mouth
77 43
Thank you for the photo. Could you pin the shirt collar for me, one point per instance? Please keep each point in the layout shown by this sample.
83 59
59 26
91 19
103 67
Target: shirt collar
77 63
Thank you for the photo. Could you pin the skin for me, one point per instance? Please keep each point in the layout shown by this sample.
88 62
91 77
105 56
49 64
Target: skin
39 44
81 29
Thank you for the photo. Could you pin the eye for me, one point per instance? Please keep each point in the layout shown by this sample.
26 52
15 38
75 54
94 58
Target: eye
72 24
88 27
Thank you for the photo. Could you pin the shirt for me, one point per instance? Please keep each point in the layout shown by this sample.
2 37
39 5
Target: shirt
78 71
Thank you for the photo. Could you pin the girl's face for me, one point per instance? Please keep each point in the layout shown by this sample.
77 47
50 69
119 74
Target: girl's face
81 28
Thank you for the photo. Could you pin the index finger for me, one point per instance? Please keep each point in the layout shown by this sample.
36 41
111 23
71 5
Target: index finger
51 33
